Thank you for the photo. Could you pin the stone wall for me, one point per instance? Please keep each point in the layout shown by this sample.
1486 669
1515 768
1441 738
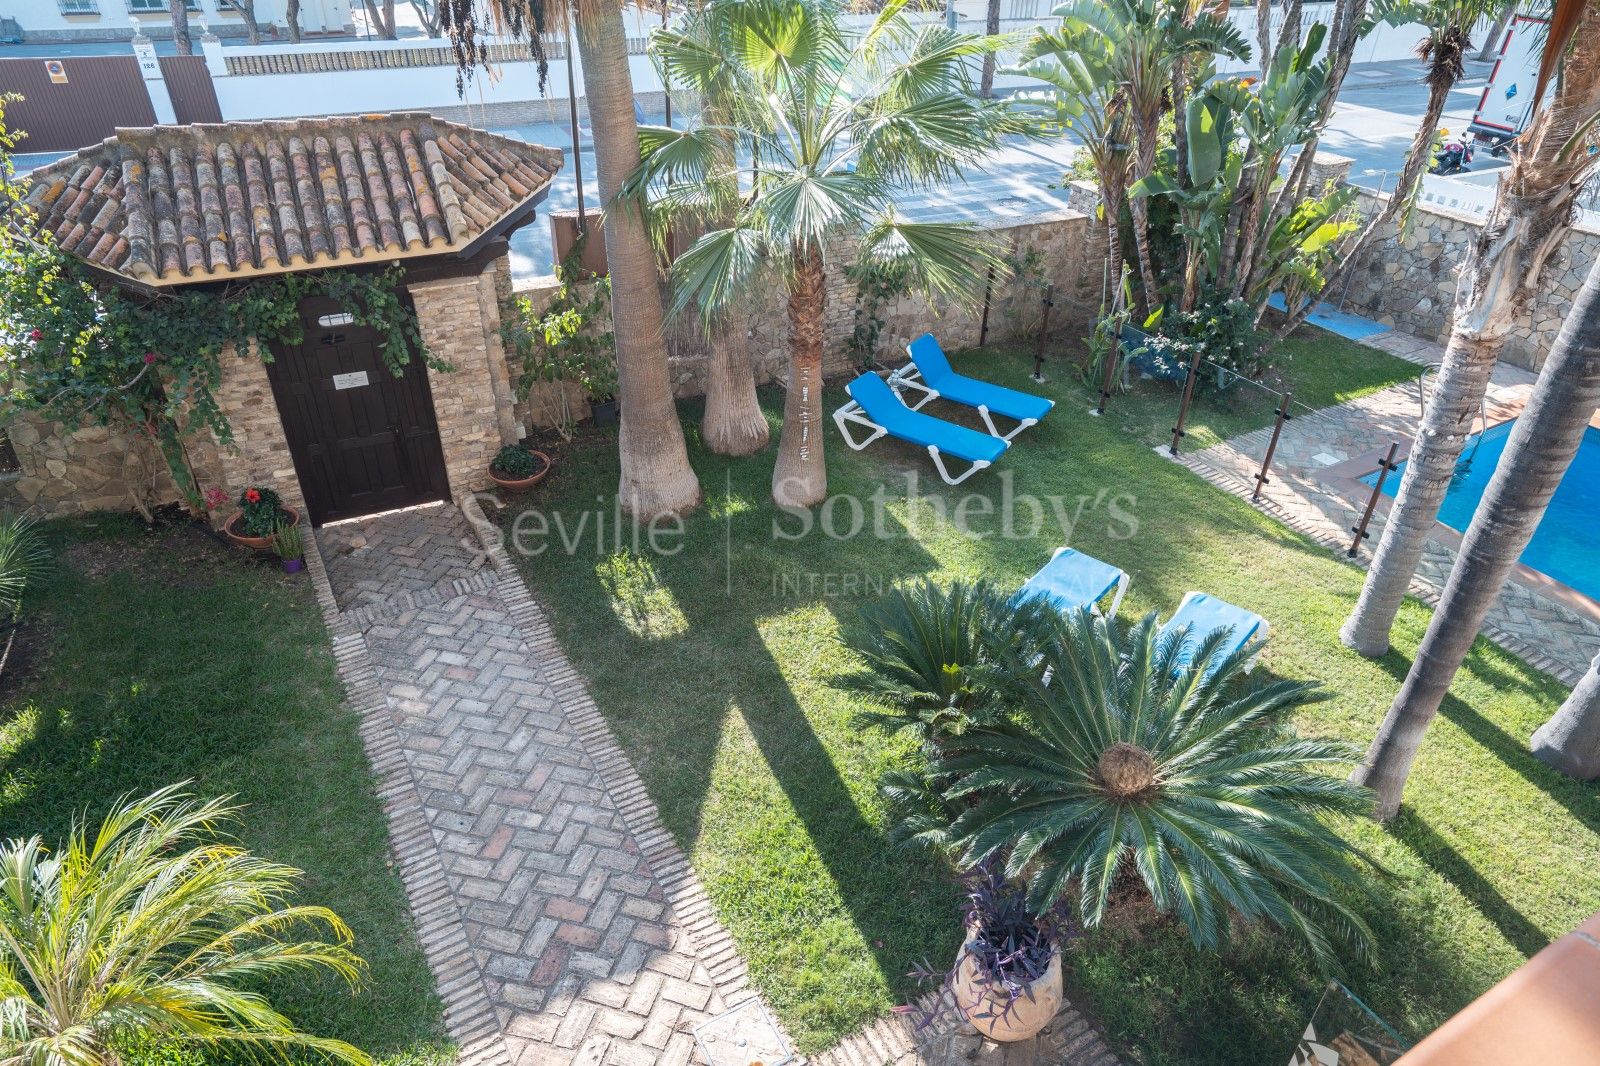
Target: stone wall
1071 248
259 452
67 472
1409 282
460 325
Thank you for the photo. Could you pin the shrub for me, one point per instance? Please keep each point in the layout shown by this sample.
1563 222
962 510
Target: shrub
514 462
287 541
262 512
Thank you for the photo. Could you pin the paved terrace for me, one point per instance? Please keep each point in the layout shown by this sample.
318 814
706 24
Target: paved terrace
1312 490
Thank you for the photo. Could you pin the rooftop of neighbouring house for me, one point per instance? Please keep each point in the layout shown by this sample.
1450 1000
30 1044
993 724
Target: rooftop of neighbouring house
170 205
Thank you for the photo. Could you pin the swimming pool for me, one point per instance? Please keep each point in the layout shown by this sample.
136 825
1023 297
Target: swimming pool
1564 545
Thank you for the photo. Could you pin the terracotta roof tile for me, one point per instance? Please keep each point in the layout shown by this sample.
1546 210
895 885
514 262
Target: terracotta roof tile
173 204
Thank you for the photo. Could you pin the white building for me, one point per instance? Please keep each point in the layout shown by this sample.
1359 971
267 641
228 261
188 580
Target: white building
112 20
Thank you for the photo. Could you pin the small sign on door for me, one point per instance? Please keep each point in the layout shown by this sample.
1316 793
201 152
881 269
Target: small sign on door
57 71
353 380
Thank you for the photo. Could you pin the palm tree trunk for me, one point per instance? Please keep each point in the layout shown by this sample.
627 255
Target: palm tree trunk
656 476
799 479
1541 447
1530 220
180 27
1497 29
733 424
1570 740
291 19
1451 415
1139 207
991 26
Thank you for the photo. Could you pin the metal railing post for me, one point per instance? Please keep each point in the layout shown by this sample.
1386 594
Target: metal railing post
1044 329
1183 408
988 292
1360 530
1111 369
1272 445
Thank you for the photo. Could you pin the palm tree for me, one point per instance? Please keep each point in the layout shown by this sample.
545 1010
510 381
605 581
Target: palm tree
1084 95
179 12
148 926
656 476
1531 219
1145 41
699 59
1127 751
1570 740
1541 447
838 123
991 26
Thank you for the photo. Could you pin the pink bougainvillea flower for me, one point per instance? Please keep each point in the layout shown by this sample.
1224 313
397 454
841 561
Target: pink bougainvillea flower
149 357
35 335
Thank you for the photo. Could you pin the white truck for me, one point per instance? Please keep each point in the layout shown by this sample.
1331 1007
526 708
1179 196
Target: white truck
1507 99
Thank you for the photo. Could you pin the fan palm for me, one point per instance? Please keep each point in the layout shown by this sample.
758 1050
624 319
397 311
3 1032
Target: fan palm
837 123
1133 750
149 926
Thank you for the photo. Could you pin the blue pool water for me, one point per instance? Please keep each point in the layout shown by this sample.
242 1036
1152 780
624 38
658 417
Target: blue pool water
1564 545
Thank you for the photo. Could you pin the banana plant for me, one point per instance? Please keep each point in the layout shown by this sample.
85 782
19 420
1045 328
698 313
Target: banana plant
1215 169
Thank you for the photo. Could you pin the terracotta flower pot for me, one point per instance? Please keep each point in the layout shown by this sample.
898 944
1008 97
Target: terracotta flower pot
259 544
522 484
990 1009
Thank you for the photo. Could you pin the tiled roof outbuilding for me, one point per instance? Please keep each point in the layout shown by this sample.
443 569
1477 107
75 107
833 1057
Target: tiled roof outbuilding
169 205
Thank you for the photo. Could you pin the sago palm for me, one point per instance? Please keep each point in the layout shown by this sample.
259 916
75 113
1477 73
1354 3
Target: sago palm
152 926
837 124
1128 750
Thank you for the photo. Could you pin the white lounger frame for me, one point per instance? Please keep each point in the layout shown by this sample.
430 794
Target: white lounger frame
910 377
1261 634
1122 586
853 412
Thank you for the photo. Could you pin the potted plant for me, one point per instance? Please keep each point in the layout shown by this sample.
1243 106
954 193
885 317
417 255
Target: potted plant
260 513
599 380
291 549
1006 981
516 468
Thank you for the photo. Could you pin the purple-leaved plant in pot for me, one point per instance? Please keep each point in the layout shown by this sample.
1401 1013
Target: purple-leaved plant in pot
1006 980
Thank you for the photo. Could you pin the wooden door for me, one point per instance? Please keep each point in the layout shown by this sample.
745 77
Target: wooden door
363 440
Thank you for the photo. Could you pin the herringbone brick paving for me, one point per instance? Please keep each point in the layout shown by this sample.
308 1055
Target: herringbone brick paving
567 912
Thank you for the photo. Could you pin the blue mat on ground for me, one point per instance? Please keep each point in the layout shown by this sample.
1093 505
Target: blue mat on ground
1334 320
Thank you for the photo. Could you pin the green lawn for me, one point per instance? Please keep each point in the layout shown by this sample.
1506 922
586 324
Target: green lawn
162 656
720 669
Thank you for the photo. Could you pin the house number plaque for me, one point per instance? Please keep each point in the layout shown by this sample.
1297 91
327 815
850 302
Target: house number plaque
353 380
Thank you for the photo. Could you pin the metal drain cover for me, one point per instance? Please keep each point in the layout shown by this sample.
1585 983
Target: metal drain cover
744 1036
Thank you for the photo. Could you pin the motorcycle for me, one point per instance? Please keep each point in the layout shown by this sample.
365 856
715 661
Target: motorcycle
1451 156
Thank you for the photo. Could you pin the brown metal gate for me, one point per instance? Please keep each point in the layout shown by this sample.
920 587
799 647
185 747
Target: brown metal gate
100 94
194 98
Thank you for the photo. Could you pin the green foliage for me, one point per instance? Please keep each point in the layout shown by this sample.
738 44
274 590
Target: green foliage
287 541
559 343
840 124
925 653
1126 750
88 352
1225 333
22 558
148 926
260 512
515 462
876 284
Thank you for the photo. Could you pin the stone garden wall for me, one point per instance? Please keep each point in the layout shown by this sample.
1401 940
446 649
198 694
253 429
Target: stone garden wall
1070 248
1409 282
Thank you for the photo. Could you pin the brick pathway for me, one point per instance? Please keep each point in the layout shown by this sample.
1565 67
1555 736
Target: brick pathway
561 922
1541 630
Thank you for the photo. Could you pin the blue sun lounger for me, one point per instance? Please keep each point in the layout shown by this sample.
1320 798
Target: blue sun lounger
875 405
1073 581
1203 614
930 373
